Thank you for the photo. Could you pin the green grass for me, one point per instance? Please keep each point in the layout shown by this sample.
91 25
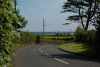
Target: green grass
56 39
47 36
75 47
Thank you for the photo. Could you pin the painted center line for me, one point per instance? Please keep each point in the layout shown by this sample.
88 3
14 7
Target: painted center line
61 61
57 59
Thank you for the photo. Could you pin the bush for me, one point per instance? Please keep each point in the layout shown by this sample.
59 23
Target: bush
25 38
91 36
97 38
83 35
37 39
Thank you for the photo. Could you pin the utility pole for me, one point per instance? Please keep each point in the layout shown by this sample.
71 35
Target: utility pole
43 26
70 31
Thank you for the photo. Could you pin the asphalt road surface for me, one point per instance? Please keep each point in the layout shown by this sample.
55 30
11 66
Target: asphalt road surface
50 56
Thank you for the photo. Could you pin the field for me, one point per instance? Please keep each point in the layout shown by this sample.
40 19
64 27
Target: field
56 39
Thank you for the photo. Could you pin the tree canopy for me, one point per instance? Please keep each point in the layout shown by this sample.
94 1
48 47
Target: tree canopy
85 10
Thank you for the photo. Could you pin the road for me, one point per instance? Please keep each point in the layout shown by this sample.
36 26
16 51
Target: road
49 56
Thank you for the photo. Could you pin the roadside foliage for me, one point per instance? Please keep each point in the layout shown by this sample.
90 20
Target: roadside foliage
10 23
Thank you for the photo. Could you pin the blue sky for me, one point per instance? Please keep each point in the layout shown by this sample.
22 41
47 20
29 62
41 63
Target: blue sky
35 10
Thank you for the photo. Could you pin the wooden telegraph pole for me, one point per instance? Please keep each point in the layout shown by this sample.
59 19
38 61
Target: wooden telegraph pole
43 27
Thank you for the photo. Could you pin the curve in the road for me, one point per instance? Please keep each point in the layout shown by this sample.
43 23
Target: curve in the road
50 56
40 49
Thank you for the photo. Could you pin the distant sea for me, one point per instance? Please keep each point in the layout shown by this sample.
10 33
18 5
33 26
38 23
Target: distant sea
40 33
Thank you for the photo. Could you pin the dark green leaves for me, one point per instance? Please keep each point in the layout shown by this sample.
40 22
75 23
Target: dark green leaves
9 23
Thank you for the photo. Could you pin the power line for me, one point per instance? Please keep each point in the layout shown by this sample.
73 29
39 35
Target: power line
41 8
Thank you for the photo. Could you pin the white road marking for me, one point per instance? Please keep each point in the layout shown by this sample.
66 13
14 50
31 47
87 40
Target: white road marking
61 61
40 49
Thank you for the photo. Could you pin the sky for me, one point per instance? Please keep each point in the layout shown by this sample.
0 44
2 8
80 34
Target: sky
35 10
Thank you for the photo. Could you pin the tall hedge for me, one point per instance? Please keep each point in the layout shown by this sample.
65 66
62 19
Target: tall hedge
25 38
8 31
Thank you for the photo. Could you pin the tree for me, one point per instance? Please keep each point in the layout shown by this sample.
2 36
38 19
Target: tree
10 22
88 12
22 20
85 11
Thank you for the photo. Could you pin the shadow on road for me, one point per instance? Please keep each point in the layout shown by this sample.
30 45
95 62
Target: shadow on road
73 57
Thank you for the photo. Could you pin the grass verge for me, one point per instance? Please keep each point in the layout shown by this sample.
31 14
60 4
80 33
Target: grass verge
77 48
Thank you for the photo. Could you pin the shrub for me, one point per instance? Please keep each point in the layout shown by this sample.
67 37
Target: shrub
81 34
86 36
37 39
25 38
91 36
97 37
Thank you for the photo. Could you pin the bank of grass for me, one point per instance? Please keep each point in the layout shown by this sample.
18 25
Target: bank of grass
77 48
